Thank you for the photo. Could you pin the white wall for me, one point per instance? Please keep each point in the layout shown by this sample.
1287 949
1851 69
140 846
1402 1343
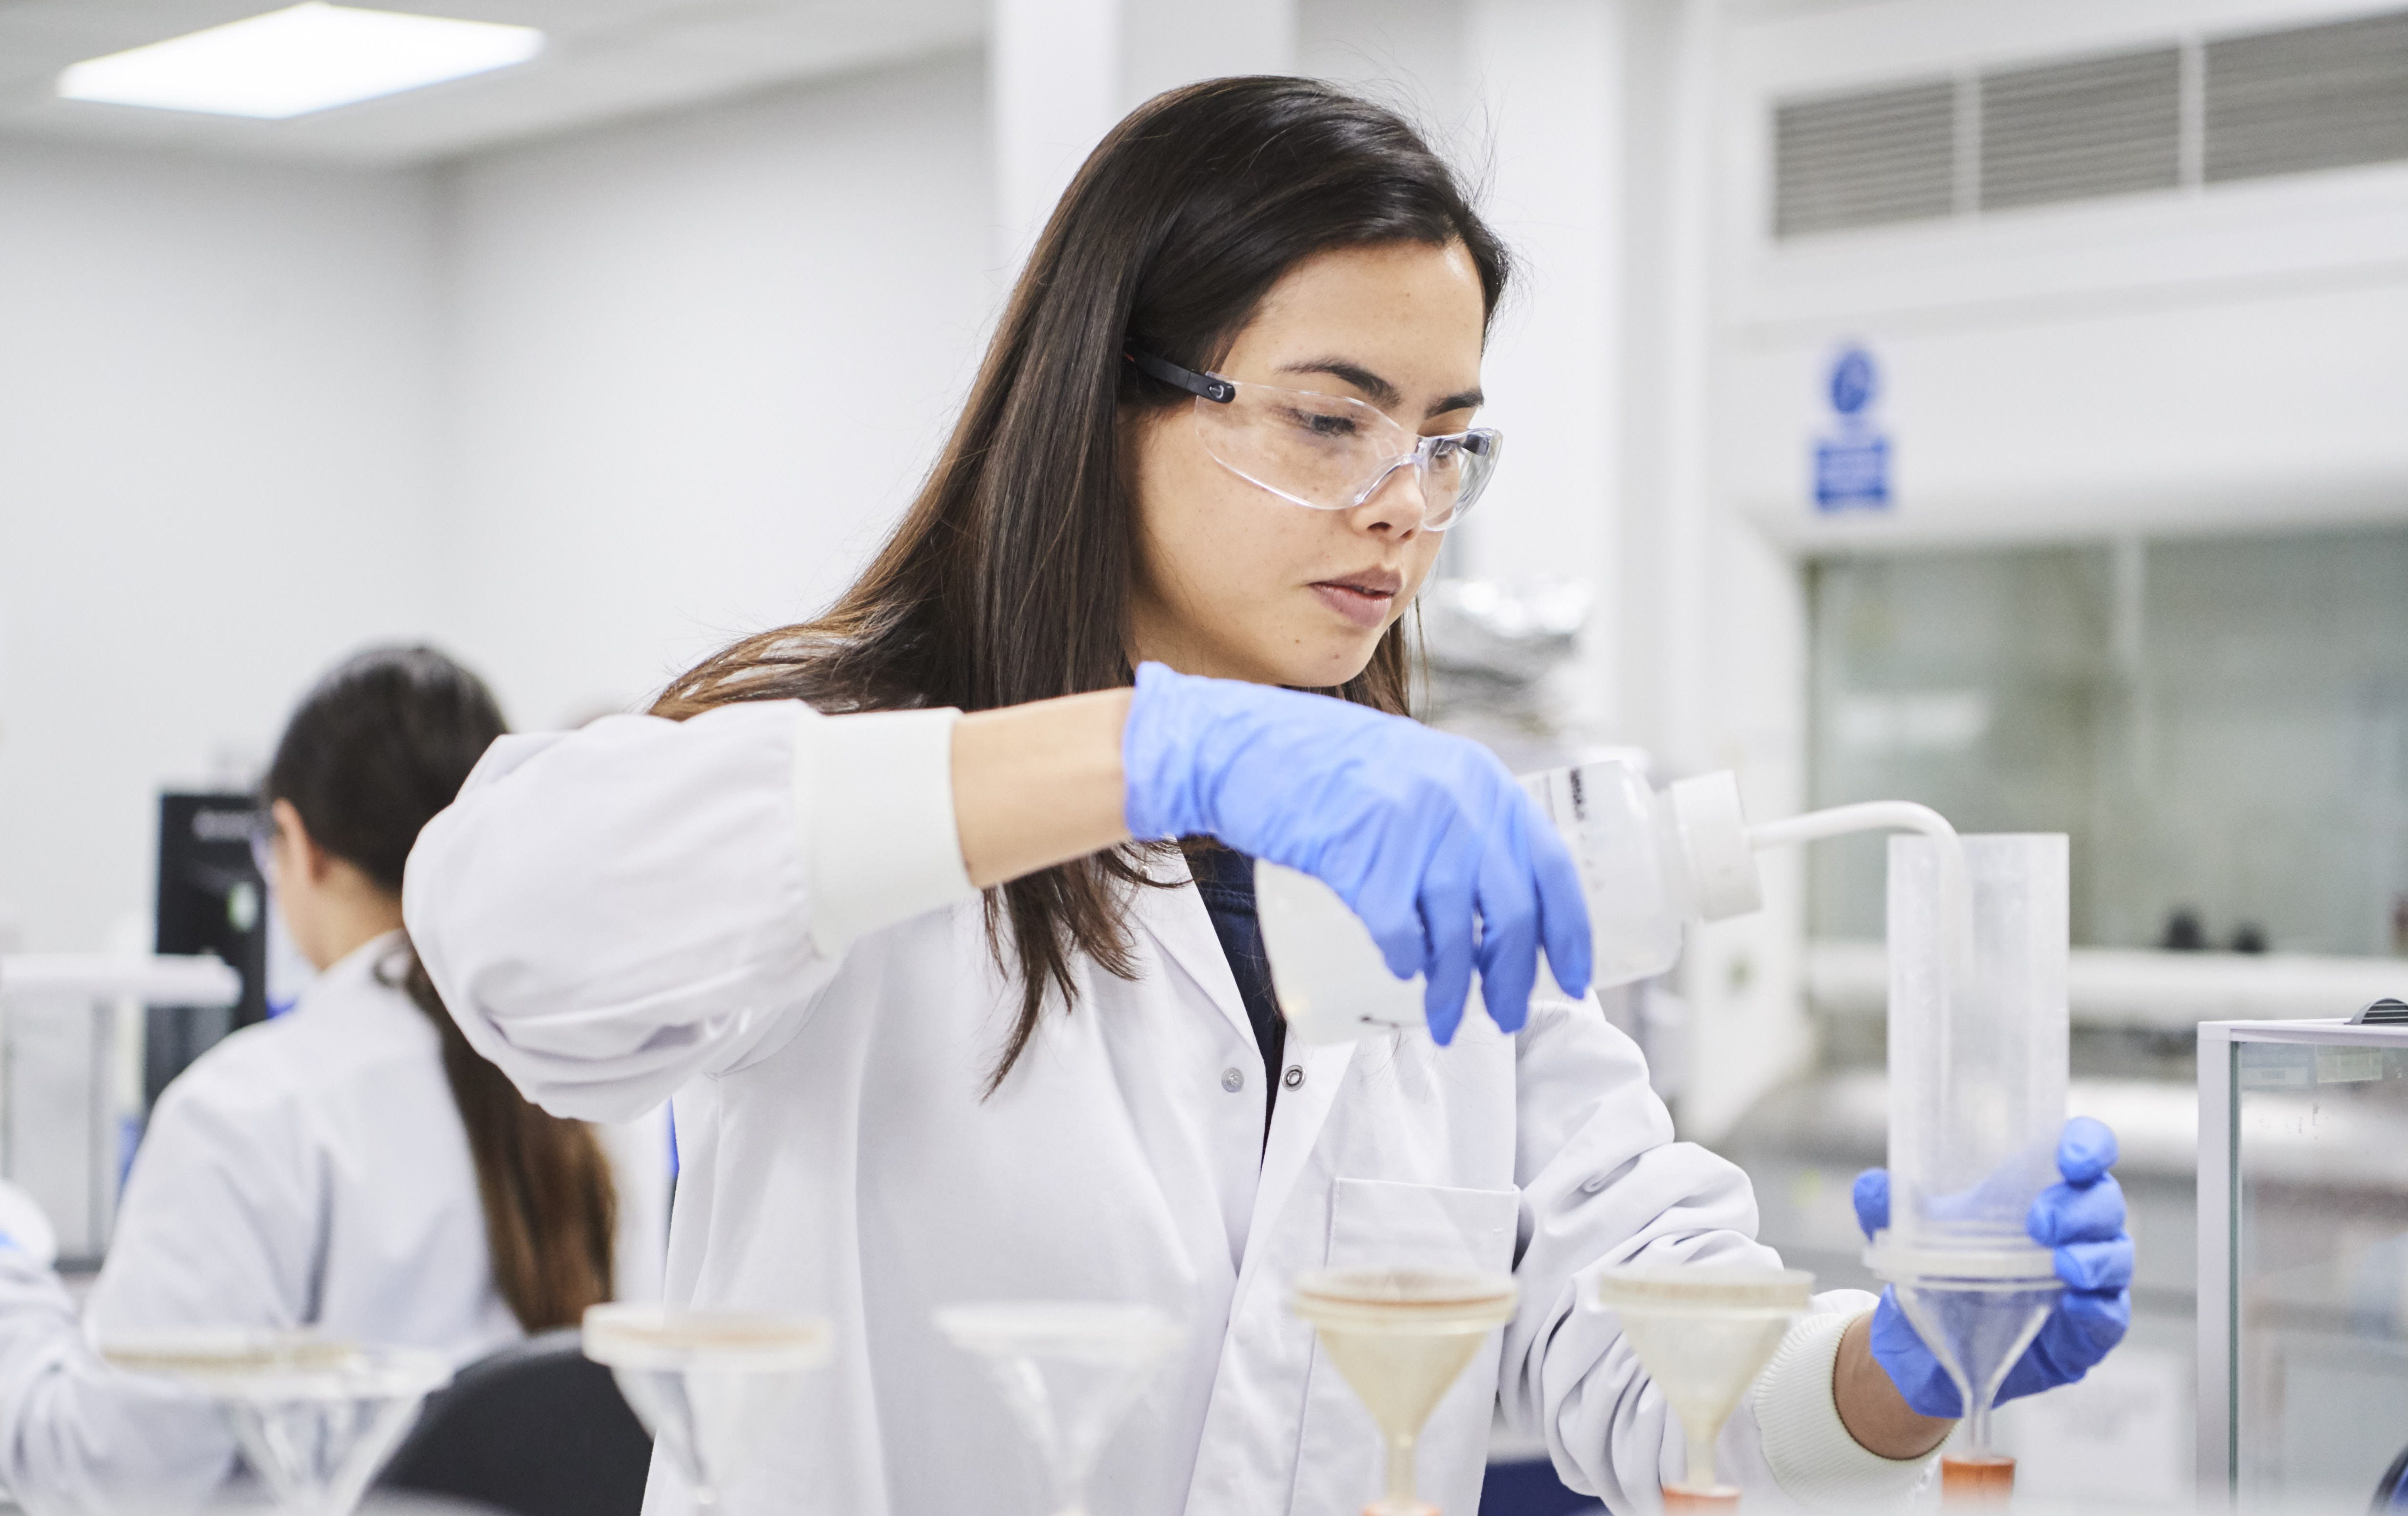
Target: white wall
701 363
217 409
578 411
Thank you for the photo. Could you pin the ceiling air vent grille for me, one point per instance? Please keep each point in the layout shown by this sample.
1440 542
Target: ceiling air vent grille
1865 159
2199 111
2313 97
2072 130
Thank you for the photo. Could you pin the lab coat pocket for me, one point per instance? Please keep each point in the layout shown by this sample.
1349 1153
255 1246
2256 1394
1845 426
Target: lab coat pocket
1379 1223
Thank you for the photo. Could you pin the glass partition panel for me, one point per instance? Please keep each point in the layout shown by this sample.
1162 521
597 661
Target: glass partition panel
2319 1392
2221 725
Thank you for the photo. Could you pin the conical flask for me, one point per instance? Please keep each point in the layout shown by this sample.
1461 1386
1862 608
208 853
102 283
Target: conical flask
709 1385
1703 1332
1068 1369
1400 1336
315 1416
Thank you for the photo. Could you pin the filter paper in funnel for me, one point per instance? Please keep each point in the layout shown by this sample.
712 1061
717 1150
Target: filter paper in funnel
1401 1336
1704 1332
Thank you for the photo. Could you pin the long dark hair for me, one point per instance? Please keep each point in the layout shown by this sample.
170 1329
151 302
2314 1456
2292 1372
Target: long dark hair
381 745
1007 578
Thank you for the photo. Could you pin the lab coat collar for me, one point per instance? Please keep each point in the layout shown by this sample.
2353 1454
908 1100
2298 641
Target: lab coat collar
1179 922
355 968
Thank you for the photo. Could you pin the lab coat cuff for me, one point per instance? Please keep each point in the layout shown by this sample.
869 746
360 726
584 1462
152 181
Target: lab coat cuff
1812 1456
874 802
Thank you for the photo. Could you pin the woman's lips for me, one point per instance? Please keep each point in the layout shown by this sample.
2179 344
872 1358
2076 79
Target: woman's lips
1364 601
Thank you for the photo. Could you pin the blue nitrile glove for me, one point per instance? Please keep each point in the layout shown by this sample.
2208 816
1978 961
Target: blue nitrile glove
2082 1218
1424 834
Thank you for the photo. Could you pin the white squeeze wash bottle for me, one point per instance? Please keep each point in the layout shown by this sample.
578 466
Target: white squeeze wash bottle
1650 863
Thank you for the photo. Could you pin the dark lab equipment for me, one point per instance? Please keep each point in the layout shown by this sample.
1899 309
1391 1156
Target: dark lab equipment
2392 1491
2248 937
211 899
537 1429
2184 933
1529 1487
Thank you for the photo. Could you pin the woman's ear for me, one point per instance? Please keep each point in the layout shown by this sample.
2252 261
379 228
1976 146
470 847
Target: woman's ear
296 850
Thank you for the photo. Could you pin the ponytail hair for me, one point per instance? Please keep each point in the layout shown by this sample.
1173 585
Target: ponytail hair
381 744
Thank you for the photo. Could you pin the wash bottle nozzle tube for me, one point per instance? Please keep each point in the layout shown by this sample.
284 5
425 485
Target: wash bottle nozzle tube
1650 863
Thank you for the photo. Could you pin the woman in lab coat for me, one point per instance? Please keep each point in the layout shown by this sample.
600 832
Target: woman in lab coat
350 1167
886 900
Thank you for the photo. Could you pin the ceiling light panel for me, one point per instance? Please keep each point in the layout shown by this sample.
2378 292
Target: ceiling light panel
289 63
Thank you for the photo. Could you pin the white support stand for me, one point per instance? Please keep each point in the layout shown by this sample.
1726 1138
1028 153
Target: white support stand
71 1075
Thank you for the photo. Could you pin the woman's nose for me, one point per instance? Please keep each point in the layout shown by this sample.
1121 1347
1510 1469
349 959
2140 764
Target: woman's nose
1396 507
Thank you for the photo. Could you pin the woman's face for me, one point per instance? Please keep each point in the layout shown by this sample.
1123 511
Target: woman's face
1236 582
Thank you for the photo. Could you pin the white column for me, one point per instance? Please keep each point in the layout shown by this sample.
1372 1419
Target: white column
1713 624
1545 77
1053 91
1060 74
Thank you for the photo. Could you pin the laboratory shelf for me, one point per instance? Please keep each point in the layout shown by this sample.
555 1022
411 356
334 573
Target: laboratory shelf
2143 989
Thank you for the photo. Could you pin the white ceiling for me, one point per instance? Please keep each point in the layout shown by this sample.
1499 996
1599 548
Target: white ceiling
604 59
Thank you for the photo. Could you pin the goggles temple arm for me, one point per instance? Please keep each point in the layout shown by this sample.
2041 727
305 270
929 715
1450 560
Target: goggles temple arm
1203 386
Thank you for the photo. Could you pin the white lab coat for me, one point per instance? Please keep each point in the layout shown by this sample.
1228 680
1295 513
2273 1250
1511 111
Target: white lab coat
310 1172
764 911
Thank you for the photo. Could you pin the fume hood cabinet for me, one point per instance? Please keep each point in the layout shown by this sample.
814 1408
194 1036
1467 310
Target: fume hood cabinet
1994 272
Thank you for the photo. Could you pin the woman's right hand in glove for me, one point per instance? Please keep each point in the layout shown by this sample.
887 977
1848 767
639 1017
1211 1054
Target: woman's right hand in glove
1424 834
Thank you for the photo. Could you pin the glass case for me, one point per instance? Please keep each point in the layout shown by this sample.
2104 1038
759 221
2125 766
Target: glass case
2303 1259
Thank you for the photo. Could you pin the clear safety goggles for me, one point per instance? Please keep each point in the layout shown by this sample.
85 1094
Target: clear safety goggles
1328 451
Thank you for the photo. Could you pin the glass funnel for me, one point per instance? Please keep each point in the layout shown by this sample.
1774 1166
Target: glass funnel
1977 1326
1703 1332
709 1385
1400 1336
315 1416
1068 1371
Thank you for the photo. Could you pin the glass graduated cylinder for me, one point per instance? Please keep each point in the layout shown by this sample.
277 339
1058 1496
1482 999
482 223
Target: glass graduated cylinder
1977 1042
709 1385
1977 1076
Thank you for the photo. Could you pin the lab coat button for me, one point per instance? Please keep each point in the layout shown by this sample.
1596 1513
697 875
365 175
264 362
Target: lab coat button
1233 1079
1593 1184
1295 1075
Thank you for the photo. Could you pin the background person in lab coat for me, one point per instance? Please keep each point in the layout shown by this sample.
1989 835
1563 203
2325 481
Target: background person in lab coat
351 1166
942 1024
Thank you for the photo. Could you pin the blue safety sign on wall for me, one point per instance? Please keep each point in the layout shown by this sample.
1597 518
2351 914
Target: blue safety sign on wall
1852 459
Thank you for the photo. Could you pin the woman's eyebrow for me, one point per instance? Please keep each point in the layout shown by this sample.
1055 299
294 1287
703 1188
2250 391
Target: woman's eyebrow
1381 393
